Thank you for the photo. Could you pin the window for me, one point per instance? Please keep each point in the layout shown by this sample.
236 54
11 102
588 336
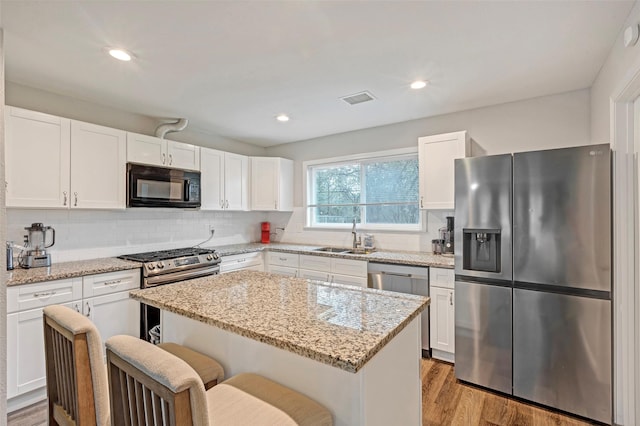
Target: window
379 192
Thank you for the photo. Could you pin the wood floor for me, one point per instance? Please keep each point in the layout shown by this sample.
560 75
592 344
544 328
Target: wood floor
444 402
448 402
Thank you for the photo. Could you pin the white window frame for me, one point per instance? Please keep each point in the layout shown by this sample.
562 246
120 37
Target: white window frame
378 155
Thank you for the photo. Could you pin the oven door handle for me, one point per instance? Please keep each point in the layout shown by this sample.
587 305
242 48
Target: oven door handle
180 276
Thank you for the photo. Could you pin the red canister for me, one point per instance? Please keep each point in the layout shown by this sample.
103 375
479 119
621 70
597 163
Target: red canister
266 232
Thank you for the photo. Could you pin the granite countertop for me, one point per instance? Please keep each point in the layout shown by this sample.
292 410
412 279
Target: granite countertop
343 326
413 258
58 271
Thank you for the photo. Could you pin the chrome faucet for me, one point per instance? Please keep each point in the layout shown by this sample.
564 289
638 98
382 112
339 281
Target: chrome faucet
357 241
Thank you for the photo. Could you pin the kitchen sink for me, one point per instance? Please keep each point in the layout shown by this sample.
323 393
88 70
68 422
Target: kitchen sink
345 250
332 250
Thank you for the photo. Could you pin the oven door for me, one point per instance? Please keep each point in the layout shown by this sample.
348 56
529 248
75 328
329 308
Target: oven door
150 186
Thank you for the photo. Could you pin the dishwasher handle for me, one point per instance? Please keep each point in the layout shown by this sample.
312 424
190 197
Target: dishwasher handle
395 274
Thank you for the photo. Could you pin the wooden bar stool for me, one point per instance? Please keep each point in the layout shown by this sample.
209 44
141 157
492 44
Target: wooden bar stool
150 386
77 386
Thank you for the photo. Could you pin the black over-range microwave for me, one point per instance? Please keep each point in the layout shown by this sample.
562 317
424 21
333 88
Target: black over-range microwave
152 186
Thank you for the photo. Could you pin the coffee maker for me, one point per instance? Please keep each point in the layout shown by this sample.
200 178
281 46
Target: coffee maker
36 244
446 235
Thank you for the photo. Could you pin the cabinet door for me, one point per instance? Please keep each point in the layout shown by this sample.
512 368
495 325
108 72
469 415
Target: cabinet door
349 280
113 314
264 183
315 263
290 260
146 149
25 351
236 181
37 159
183 155
436 156
283 270
442 319
247 261
98 166
212 179
315 275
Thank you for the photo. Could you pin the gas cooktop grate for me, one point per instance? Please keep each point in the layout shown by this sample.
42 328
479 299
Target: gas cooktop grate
153 256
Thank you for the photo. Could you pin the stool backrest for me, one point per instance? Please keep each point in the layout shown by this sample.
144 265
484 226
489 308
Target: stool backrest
149 386
76 380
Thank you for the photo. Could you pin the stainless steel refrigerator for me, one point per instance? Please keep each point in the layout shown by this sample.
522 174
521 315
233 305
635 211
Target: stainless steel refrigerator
533 277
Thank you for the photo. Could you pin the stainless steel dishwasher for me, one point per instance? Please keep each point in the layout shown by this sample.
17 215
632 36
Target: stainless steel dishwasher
403 279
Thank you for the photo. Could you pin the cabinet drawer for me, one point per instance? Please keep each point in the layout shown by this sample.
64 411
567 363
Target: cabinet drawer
357 268
236 262
283 259
349 280
112 282
315 263
439 277
39 295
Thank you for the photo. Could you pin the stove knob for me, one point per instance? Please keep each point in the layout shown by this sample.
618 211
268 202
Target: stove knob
209 257
160 265
151 266
215 256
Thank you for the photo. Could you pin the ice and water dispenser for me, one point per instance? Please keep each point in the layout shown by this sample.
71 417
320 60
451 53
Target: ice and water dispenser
481 249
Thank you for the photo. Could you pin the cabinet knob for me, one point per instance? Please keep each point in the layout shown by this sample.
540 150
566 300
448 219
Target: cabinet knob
88 310
226 204
421 202
451 298
75 195
64 193
275 205
170 159
164 158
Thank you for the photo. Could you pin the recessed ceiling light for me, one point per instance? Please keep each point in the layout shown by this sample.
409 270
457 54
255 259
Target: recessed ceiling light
419 84
282 118
120 54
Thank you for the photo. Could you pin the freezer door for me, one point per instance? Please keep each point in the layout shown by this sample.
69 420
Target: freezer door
483 203
562 217
483 335
562 352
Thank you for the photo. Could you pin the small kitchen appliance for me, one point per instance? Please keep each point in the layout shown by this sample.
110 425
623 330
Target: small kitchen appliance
446 236
36 244
9 255
266 232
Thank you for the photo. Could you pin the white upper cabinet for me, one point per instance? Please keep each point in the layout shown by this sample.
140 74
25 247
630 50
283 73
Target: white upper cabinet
436 156
37 150
98 166
225 180
146 149
236 181
183 155
271 184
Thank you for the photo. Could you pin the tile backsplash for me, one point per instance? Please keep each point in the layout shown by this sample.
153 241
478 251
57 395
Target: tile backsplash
86 234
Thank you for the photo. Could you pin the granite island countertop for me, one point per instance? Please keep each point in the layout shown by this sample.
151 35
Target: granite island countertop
59 271
340 325
412 258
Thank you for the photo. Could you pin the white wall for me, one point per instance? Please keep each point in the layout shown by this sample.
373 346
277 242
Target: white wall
541 123
64 106
620 62
93 233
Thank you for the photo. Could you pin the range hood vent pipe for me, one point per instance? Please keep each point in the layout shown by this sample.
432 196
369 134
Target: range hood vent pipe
178 126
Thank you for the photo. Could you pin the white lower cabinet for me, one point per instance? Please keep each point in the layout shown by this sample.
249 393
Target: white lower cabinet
334 270
104 298
442 325
25 351
242 262
283 263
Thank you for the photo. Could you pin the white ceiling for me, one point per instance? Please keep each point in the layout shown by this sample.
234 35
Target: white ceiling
230 67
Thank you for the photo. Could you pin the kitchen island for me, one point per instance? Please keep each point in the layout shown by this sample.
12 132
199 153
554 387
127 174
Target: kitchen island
354 350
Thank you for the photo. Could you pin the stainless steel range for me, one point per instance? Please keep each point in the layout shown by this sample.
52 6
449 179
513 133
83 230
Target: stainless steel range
166 267
170 266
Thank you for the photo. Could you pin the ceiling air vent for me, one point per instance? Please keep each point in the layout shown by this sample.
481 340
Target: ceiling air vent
358 98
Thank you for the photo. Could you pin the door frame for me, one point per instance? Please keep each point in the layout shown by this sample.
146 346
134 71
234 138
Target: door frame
625 143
